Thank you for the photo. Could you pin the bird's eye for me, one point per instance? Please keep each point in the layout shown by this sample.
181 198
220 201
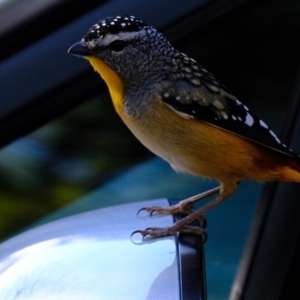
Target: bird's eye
117 45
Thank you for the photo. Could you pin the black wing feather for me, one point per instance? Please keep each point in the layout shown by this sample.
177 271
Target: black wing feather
203 97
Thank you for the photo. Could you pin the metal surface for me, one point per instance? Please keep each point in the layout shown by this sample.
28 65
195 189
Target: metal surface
91 256
191 267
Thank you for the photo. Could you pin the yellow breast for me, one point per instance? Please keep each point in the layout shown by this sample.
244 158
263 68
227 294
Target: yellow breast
112 79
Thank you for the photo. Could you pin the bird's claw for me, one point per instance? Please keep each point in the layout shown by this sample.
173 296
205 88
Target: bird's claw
154 210
172 210
155 232
157 210
145 233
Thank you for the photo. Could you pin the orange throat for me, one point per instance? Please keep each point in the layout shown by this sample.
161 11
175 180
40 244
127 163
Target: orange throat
112 79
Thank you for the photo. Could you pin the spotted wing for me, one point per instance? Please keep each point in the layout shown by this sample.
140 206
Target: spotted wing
195 93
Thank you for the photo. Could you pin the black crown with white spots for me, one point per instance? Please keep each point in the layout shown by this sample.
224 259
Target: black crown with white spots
114 25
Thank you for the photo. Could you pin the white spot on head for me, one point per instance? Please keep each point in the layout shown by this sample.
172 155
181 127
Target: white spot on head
166 95
178 98
249 120
263 124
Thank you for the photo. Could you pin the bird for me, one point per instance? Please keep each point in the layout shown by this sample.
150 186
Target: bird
184 114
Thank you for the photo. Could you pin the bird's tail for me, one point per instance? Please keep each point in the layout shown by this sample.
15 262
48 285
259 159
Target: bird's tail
292 171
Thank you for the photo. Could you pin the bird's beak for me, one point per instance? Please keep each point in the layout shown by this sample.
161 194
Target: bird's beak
80 49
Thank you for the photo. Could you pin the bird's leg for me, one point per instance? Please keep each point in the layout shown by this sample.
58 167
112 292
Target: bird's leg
183 224
183 206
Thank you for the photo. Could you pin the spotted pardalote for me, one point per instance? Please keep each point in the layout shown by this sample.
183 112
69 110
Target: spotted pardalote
182 113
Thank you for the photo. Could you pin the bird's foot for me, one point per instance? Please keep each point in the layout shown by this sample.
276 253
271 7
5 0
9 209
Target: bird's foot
184 206
156 232
185 225
181 207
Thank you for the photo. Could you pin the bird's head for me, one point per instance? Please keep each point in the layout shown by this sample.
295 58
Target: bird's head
127 45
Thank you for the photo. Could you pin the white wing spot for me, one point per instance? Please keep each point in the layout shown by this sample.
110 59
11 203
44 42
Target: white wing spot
240 119
196 81
166 95
233 117
275 137
249 120
263 124
238 102
246 108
